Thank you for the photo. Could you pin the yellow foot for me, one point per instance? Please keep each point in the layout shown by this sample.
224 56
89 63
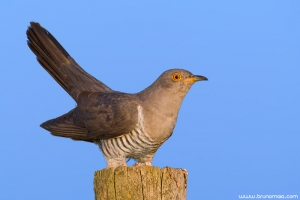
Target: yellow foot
142 164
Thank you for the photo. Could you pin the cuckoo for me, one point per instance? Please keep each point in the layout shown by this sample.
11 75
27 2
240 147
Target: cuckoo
123 125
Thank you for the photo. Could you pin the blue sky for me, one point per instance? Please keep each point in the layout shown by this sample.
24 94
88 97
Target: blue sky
236 134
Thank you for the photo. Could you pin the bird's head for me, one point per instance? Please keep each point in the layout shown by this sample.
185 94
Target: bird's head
178 80
173 83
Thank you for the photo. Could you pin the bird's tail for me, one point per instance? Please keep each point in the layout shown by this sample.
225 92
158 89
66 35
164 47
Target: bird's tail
58 63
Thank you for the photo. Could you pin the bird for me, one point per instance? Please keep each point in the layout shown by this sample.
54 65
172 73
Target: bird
123 125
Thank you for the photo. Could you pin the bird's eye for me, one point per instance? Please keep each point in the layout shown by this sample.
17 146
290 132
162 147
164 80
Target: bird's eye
176 76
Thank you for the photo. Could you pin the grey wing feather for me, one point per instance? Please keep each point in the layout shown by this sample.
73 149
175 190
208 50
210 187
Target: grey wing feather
97 116
107 115
64 126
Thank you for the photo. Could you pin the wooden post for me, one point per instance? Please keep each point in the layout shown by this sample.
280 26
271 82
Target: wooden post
140 183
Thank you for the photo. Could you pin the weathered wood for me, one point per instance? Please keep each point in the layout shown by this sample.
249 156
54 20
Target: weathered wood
140 183
174 184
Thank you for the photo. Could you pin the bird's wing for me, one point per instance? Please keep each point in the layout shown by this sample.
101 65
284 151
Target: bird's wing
107 115
64 126
59 64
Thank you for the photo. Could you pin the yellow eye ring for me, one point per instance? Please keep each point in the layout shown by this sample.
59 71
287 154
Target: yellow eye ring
176 76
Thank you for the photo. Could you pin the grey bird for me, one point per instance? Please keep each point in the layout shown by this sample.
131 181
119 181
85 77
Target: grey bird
122 125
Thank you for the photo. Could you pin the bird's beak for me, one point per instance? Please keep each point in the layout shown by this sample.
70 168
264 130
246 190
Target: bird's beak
196 78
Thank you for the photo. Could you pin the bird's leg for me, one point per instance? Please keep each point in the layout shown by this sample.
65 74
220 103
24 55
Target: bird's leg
146 160
142 164
116 162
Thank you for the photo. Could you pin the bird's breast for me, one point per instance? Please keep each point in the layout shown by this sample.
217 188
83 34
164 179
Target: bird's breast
159 125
